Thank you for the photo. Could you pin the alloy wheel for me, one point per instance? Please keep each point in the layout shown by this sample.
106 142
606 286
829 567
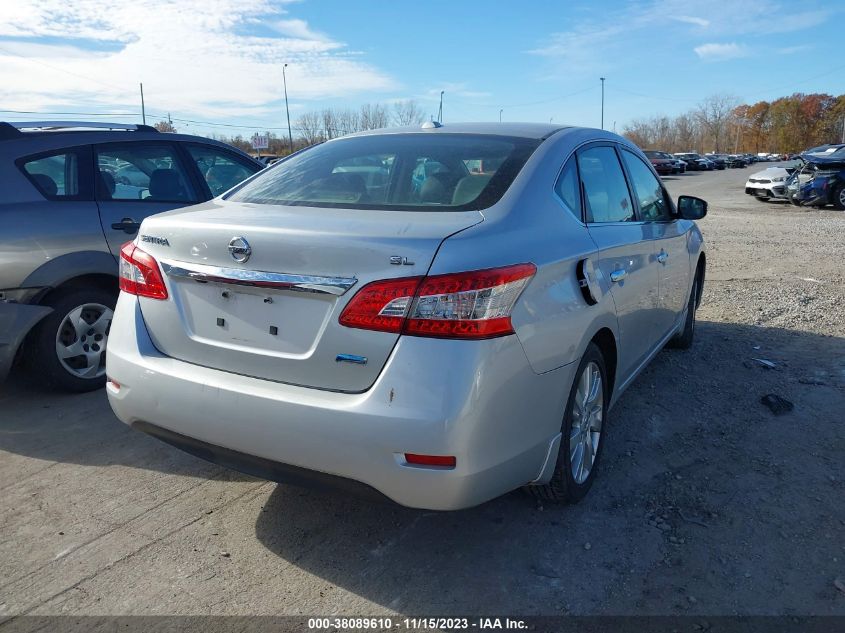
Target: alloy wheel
81 340
587 414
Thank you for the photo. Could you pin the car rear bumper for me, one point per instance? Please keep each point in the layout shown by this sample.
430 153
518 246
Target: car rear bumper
476 400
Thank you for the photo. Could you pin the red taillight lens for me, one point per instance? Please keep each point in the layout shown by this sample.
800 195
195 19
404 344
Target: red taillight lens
381 305
445 461
140 274
474 304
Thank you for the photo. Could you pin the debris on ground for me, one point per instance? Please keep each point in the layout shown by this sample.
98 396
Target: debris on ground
776 404
765 363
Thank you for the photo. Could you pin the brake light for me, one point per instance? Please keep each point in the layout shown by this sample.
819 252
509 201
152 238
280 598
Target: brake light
475 304
140 274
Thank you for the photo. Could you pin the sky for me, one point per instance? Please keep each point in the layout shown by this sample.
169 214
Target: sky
216 65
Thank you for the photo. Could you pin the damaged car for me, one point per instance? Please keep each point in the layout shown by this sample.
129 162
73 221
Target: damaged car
820 181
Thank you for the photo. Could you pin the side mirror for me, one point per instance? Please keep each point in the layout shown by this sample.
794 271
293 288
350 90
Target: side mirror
691 208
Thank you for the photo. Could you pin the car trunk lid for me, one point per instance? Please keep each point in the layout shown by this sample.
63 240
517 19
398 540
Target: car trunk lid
274 314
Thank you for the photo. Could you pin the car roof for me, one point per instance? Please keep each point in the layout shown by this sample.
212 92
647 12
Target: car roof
536 131
16 143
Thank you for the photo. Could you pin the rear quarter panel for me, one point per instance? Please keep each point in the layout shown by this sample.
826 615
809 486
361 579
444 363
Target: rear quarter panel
552 320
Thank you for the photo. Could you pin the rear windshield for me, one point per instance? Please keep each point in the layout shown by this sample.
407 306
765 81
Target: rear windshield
407 172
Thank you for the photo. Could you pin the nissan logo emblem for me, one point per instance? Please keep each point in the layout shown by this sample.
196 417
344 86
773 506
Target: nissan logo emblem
239 249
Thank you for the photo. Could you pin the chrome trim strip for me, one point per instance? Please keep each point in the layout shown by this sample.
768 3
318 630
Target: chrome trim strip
259 279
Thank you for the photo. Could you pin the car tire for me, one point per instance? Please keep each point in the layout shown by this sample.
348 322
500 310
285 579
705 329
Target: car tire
568 484
684 338
80 321
839 198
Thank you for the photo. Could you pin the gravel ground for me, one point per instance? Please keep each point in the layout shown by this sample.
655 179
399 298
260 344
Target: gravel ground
707 502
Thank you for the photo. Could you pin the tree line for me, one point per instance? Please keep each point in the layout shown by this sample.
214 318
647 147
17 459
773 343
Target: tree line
720 123
321 125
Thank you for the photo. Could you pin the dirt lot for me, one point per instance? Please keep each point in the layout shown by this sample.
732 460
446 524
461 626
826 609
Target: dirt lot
707 503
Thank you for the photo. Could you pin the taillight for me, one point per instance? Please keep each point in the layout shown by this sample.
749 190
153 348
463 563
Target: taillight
474 304
381 305
140 274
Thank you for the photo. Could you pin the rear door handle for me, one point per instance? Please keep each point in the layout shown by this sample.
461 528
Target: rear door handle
663 257
127 225
618 275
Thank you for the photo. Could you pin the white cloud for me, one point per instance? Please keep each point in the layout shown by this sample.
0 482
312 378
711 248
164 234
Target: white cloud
210 58
689 19
720 52
298 29
592 43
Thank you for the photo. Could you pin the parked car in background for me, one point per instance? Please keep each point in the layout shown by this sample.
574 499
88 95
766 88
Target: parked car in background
820 181
662 162
267 159
679 165
695 162
73 194
324 306
768 183
719 160
736 161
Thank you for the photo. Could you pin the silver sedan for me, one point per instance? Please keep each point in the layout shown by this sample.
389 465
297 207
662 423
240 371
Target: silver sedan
438 315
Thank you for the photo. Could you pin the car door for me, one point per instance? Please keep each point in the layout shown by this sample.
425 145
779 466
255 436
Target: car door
219 170
625 259
48 215
668 238
136 179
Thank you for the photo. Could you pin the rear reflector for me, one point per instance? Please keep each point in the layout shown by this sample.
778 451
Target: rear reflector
140 274
445 461
475 304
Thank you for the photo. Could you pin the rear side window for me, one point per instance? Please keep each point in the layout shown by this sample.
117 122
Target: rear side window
56 176
647 188
606 193
141 172
568 188
414 172
220 169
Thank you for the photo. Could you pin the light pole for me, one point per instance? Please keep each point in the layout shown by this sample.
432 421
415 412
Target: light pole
143 111
287 108
440 111
602 102
500 114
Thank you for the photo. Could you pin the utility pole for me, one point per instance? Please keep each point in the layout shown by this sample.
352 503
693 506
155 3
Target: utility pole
500 114
602 102
739 124
440 111
143 112
843 130
287 108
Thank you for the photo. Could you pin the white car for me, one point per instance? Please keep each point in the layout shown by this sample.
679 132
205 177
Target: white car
769 183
